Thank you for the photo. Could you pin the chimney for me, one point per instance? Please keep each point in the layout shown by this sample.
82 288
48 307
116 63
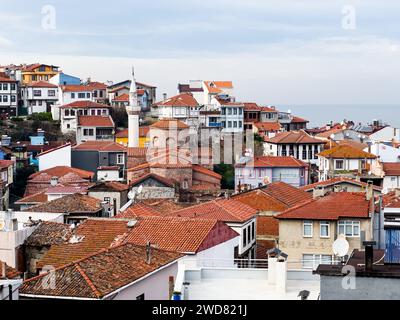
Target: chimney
369 254
318 192
148 252
165 96
54 181
369 191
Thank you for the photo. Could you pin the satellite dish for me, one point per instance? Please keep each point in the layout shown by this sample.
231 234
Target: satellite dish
131 194
332 136
340 247
2 225
140 189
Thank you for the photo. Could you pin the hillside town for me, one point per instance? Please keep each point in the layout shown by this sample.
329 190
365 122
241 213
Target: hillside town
118 191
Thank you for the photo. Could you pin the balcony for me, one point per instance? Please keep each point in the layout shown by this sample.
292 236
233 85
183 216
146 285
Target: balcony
105 137
215 124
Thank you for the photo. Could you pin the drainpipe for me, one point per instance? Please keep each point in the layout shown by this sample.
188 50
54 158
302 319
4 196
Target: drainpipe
10 292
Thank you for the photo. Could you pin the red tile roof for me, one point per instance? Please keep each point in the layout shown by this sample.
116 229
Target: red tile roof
161 179
85 104
251 106
293 137
218 86
227 210
299 120
95 121
179 234
181 100
391 200
73 203
170 124
338 180
268 126
41 84
346 152
104 146
102 273
122 98
331 207
109 186
271 161
206 171
286 193
137 152
61 171
6 163
143 132
391 168
33 199
4 79
95 234
49 233
84 88
11 273
138 210
261 201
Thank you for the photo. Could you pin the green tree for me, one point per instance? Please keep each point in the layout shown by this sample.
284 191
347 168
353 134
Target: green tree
227 171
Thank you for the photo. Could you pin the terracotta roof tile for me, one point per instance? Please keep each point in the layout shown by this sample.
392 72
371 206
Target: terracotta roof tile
104 146
122 98
169 124
96 121
271 161
261 201
227 210
85 104
286 193
11 273
346 152
206 171
33 199
109 186
48 234
293 137
102 273
166 181
60 171
74 203
338 180
138 210
268 126
181 100
331 207
41 84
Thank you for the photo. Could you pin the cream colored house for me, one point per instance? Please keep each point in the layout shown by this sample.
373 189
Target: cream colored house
307 231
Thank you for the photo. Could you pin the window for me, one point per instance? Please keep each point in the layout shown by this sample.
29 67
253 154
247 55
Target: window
120 159
88 132
349 228
312 261
13 86
304 153
88 95
241 124
5 98
107 199
307 229
72 112
284 152
223 111
229 124
185 184
52 93
13 98
229 111
40 102
253 230
95 94
68 126
249 233
235 124
81 95
339 165
37 93
316 151
235 111
244 237
240 111
224 124
324 227
72 95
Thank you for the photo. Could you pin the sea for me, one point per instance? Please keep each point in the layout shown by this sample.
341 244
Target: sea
322 114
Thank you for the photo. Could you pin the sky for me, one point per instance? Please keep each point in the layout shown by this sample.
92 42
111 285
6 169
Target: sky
276 52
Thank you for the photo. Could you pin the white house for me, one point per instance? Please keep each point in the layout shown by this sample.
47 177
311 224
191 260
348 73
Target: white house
344 160
391 180
39 96
232 114
70 113
384 152
60 156
386 134
8 96
205 91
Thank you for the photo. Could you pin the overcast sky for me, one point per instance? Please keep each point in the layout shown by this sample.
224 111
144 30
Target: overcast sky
276 52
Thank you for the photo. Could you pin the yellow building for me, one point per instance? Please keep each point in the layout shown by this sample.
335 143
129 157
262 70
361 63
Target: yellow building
38 72
144 138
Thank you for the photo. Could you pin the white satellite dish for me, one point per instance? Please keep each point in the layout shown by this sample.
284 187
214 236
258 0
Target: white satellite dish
140 189
131 194
340 247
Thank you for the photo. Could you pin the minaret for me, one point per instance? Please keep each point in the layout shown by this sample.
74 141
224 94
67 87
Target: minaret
133 111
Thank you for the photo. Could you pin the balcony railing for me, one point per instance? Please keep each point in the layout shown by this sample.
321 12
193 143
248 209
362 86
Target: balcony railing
105 137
